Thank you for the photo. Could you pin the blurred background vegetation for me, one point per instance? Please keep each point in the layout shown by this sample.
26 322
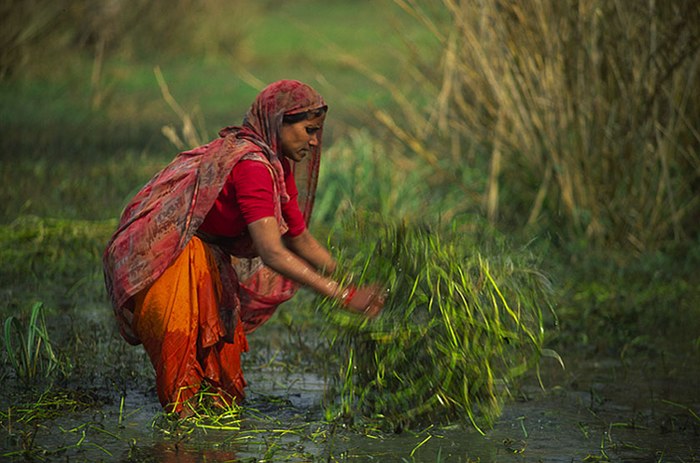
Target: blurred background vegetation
569 127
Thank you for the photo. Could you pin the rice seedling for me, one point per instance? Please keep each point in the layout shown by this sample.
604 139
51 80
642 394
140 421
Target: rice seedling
51 404
22 421
29 348
457 331
211 413
686 408
30 451
207 411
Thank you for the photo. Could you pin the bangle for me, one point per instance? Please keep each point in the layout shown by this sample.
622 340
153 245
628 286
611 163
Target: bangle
347 295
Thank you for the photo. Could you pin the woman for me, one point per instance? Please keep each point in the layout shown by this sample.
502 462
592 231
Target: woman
208 249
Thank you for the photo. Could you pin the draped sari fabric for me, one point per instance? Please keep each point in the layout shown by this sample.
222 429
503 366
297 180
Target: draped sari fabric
188 301
178 321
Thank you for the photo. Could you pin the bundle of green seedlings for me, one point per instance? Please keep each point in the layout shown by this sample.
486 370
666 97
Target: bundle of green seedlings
457 331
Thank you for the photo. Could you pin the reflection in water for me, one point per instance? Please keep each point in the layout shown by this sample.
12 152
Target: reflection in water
166 452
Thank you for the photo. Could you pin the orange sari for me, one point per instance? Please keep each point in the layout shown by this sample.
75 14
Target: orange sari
177 319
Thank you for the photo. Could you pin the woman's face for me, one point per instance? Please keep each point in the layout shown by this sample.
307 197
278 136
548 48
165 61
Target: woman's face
297 140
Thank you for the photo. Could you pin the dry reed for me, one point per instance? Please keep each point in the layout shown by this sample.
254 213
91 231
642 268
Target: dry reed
584 113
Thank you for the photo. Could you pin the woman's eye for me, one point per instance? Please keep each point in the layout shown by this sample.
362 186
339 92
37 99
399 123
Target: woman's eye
311 130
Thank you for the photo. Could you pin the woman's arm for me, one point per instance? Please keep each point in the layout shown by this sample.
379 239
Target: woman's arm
268 243
367 300
308 248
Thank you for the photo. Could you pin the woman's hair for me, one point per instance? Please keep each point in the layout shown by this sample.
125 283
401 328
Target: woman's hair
304 115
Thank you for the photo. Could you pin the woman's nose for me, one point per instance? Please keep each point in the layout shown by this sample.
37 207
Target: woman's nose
313 141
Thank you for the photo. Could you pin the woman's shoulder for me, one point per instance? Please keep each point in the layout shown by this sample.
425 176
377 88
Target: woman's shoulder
252 167
258 156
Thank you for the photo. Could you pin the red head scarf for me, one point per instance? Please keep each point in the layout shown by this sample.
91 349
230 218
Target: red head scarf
263 123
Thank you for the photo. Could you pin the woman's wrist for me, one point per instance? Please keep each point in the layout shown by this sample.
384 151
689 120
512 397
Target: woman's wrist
347 294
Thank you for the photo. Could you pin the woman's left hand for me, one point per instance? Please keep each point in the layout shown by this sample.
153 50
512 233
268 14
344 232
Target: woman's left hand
367 300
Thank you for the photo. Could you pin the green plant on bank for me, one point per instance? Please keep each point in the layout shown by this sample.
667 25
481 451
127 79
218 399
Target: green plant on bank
29 348
457 332
53 260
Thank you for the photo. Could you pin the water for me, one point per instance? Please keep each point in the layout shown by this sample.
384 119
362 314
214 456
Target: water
602 409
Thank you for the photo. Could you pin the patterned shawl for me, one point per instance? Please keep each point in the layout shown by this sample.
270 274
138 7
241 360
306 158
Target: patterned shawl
164 215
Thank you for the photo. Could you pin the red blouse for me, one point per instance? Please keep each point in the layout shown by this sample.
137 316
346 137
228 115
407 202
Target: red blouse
247 196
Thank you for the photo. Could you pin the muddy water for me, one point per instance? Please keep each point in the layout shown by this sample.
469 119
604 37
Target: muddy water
598 409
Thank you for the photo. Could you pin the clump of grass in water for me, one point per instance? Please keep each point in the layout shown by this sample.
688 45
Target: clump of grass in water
29 348
207 410
456 332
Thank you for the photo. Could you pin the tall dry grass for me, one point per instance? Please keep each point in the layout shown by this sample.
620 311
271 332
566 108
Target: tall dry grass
582 115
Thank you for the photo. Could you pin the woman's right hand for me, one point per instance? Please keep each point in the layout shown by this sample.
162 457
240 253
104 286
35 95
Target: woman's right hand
367 300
